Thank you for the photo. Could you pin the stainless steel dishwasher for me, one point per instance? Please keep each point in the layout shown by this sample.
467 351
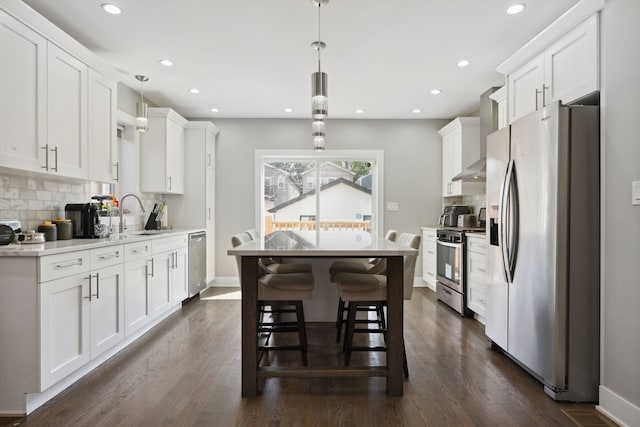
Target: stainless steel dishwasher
197 262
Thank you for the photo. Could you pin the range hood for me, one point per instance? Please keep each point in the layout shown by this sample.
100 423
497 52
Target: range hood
477 171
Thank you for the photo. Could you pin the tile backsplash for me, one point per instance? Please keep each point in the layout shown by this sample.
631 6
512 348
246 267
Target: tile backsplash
32 200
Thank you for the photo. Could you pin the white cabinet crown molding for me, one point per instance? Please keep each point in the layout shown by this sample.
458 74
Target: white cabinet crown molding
47 29
202 124
457 123
553 32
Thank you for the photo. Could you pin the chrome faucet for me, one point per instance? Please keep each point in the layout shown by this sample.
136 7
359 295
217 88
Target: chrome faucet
121 227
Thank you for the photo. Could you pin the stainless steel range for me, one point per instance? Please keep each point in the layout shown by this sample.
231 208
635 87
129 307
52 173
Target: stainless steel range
451 286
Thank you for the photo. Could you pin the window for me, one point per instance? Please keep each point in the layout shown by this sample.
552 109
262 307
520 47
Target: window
340 208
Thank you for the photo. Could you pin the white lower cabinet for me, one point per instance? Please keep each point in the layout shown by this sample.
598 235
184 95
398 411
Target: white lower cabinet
429 256
169 273
137 287
80 315
64 327
477 274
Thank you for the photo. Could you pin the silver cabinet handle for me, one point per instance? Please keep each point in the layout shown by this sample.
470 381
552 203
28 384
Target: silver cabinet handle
117 165
545 88
46 157
208 159
68 264
209 213
97 294
89 277
55 151
115 254
169 183
152 267
537 93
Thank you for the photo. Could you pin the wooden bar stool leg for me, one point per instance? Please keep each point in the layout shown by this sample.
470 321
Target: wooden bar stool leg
348 338
340 319
302 331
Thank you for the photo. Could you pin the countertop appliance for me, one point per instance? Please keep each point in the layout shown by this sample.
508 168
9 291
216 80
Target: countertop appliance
7 235
85 217
543 258
197 262
467 220
449 217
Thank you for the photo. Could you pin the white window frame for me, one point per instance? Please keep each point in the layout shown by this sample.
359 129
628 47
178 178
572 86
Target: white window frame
376 157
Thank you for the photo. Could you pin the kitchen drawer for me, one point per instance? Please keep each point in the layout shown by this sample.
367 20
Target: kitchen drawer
429 275
477 266
137 250
428 233
169 243
476 299
106 257
477 244
53 267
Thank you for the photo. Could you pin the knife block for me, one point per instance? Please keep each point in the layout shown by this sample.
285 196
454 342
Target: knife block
152 222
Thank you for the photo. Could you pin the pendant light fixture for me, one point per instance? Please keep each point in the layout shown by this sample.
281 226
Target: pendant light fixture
319 99
142 121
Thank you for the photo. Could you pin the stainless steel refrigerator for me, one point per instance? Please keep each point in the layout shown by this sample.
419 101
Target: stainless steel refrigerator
543 259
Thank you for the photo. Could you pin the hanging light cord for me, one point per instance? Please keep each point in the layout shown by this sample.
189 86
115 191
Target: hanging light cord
319 38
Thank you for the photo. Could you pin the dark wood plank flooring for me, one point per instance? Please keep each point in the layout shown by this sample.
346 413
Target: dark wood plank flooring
186 372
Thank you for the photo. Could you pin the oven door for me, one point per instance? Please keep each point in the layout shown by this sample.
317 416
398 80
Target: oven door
450 265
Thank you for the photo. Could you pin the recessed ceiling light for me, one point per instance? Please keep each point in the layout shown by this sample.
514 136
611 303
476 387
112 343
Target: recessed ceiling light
436 91
288 110
194 90
166 62
516 8
359 111
463 63
214 110
111 8
416 110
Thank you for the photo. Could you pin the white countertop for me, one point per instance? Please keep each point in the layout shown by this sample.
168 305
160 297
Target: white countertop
299 244
62 246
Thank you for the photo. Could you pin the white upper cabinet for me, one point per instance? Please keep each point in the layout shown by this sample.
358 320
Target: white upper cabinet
162 152
460 148
67 114
565 70
23 97
103 145
57 115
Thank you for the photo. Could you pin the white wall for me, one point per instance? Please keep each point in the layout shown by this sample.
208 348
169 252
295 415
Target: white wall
620 296
412 157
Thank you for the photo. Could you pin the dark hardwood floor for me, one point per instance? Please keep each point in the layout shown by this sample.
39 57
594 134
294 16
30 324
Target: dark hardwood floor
186 372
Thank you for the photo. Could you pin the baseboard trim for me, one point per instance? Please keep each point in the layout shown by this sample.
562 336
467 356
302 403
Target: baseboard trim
617 408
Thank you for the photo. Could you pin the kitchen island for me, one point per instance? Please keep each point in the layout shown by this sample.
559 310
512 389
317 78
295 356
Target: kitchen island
279 245
67 306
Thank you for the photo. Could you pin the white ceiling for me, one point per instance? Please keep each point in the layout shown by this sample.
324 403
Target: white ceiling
252 58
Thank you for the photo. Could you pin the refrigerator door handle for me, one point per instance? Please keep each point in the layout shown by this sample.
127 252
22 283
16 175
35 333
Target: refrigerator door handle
505 223
510 219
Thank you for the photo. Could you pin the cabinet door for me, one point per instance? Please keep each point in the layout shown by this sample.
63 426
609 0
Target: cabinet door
429 257
107 308
64 327
524 87
23 97
67 114
137 295
448 161
179 279
102 138
210 205
162 271
175 157
571 64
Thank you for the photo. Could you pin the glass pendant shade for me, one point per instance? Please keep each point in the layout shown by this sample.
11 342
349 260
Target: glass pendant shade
142 123
319 99
317 127
318 143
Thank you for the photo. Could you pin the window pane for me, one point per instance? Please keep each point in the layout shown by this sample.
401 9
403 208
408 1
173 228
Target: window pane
345 201
289 202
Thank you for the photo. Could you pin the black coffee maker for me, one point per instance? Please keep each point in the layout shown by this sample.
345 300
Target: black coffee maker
84 217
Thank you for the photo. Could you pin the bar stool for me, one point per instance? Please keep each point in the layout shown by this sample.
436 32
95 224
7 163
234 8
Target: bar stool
373 266
286 291
359 289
